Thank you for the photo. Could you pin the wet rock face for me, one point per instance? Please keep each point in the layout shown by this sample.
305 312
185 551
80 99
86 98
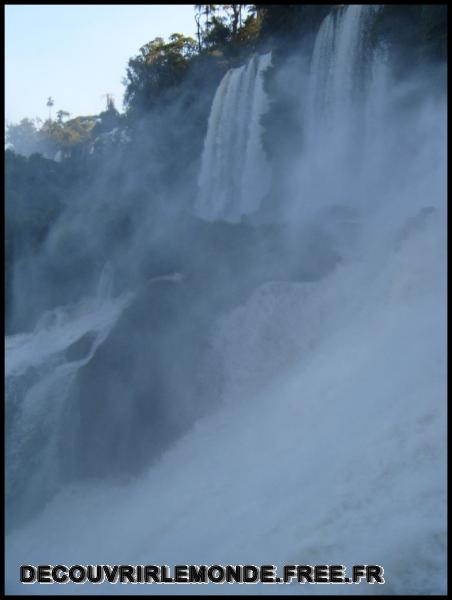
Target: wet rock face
81 347
144 386
157 371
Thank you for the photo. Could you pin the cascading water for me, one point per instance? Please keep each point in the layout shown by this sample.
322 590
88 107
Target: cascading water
341 111
234 174
40 367
336 73
334 385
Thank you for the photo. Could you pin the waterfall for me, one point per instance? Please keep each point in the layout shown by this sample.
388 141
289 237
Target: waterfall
234 174
337 50
340 109
39 369
337 72
226 379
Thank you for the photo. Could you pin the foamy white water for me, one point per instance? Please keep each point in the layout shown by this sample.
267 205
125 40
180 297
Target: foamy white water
234 174
338 459
330 444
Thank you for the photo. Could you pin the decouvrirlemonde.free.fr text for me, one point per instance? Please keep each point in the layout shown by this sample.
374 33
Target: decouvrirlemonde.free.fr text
333 574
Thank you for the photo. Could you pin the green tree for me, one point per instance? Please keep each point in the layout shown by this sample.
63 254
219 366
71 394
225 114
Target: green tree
234 12
159 67
249 33
62 114
110 102
219 34
49 104
65 136
206 12
23 136
219 26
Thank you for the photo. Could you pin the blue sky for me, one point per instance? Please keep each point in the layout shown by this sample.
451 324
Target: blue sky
78 53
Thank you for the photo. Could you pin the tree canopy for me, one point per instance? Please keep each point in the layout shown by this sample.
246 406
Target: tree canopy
158 67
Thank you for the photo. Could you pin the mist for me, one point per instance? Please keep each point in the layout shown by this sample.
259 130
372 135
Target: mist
230 347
